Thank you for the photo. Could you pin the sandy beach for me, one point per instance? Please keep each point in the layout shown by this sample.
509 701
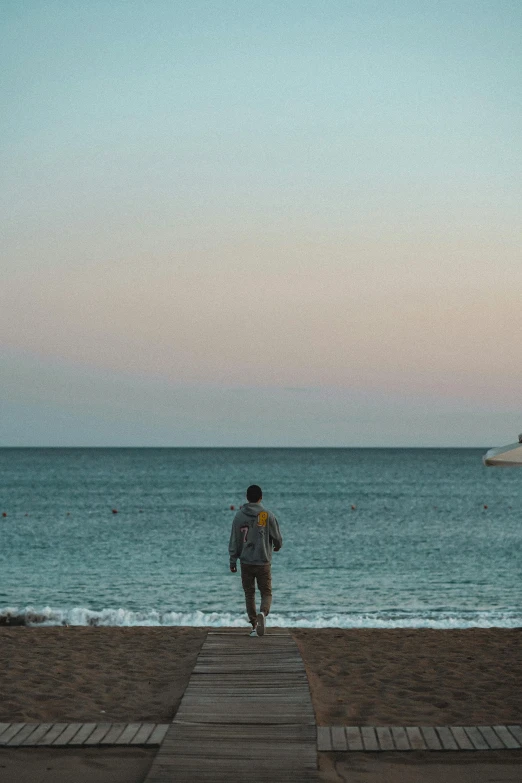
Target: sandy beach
414 677
357 677
95 674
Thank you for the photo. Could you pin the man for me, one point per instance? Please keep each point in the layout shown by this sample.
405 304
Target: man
255 531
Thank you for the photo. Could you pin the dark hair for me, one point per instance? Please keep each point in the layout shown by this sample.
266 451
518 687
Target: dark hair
254 493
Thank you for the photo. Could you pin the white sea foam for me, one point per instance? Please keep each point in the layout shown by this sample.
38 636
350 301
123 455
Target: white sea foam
82 616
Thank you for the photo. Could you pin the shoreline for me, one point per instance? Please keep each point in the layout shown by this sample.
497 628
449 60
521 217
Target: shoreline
82 617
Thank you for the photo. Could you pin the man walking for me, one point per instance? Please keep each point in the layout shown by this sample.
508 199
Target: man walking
255 531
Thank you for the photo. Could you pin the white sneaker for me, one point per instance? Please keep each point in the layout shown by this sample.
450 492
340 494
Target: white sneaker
261 621
253 633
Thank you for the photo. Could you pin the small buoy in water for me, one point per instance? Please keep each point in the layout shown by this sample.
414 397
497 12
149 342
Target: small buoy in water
232 508
354 508
141 511
68 513
485 506
114 510
4 514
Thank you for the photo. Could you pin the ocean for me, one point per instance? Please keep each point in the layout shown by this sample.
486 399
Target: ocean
373 538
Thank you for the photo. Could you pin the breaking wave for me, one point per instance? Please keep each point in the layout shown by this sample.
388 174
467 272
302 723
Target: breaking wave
81 616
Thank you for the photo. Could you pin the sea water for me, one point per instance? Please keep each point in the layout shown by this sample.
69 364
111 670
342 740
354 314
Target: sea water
372 537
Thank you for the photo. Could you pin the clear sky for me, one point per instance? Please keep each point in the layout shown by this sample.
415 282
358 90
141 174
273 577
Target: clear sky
278 223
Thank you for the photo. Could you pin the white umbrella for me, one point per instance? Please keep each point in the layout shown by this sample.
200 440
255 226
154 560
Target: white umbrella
505 456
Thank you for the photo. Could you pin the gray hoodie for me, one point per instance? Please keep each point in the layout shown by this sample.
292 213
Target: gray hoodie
254 532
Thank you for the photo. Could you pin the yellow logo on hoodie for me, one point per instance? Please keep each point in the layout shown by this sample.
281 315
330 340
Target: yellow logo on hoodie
262 519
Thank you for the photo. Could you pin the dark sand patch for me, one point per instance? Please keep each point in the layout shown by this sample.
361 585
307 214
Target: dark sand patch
94 765
478 767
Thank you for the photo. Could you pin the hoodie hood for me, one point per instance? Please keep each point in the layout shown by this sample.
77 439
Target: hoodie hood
251 509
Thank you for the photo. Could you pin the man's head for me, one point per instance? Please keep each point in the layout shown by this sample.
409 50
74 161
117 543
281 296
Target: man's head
254 493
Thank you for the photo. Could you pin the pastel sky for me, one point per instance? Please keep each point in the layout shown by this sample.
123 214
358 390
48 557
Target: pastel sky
278 223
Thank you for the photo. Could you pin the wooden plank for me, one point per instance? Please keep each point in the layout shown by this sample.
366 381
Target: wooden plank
259 754
430 738
20 736
295 758
244 734
447 740
9 733
128 734
400 737
240 647
384 738
288 703
516 731
353 738
415 738
158 735
239 670
461 738
239 718
369 738
232 663
281 661
215 771
143 734
83 734
98 734
195 678
324 739
67 735
114 733
237 685
257 751
269 652
224 658
235 657
40 730
477 740
507 738
494 742
222 701
269 682
224 695
53 733
339 742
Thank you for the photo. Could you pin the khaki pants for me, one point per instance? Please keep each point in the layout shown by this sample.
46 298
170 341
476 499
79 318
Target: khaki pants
263 575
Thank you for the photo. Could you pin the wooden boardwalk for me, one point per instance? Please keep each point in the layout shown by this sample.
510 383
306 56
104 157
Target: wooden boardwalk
329 738
81 735
246 715
386 738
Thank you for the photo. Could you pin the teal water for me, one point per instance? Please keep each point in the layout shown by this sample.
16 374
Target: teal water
418 550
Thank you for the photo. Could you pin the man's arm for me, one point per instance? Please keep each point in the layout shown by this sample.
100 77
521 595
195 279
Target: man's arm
234 547
275 534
